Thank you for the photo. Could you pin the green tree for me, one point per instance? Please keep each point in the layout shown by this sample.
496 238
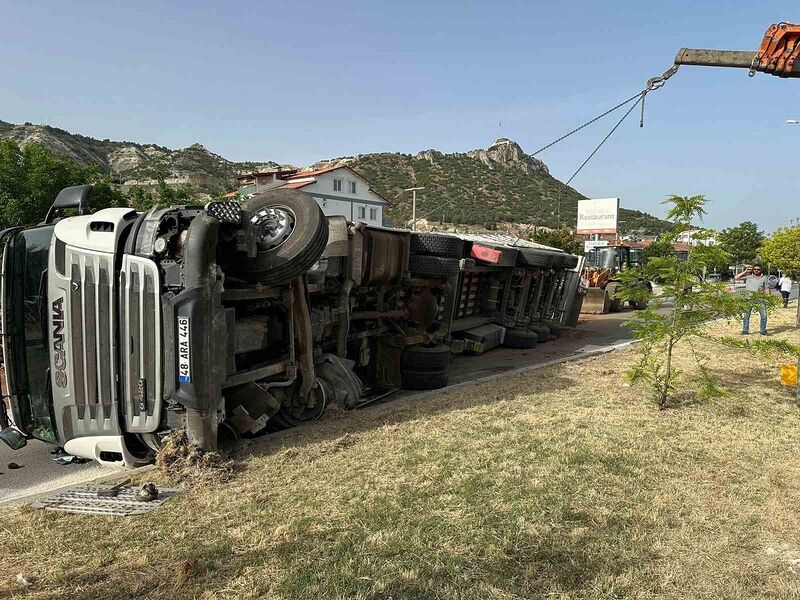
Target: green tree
31 178
742 242
782 250
106 195
562 238
142 198
681 312
709 259
661 248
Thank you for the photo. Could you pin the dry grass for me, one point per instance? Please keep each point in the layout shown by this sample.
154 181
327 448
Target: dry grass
179 461
560 483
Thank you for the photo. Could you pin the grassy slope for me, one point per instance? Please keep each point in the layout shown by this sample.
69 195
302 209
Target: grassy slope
560 482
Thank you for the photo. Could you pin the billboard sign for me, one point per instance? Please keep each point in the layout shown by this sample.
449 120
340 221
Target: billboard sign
597 216
590 245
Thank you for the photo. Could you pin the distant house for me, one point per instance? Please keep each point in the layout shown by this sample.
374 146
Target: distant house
693 237
337 190
261 181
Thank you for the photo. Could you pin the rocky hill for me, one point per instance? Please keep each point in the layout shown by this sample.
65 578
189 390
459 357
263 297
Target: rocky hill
130 163
480 187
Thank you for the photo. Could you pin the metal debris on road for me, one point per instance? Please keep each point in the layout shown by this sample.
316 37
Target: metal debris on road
60 457
113 491
90 500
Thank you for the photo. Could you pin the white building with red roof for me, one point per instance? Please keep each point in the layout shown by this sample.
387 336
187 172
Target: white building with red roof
337 190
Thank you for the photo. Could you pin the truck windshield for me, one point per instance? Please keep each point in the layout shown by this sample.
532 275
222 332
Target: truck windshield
25 308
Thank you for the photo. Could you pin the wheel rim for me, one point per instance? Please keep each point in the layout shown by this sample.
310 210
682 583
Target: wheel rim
274 225
295 414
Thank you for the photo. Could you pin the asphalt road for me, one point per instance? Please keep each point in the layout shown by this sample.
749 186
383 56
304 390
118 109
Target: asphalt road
593 332
38 473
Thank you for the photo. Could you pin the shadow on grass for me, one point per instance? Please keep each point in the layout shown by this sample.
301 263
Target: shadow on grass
780 329
392 412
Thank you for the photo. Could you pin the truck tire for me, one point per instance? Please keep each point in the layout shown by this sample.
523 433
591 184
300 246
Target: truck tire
520 338
433 265
555 329
412 379
437 245
542 332
290 252
531 257
425 358
290 414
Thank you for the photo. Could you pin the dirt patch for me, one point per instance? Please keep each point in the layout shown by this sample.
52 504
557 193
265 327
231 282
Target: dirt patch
180 461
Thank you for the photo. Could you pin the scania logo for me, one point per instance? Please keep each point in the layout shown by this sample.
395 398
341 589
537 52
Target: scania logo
59 356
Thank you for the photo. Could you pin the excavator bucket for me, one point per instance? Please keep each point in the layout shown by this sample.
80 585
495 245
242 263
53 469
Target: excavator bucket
596 302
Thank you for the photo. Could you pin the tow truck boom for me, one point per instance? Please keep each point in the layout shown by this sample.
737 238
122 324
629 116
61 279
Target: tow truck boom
777 55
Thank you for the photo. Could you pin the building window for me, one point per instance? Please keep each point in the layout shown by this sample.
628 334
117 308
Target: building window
362 212
337 185
352 186
373 214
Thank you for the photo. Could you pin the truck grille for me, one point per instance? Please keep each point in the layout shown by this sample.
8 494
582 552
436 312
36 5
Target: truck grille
140 329
91 297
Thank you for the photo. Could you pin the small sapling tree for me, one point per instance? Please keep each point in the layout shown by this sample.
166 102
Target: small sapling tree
685 304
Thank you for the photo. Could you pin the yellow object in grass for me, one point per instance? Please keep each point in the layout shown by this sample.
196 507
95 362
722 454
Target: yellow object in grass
789 375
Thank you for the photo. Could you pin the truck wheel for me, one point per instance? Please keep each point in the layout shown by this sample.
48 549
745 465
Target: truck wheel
554 329
425 358
520 338
433 265
292 414
437 245
530 257
414 379
291 231
542 333
340 381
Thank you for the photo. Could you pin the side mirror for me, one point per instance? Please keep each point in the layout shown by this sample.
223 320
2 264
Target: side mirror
77 197
13 438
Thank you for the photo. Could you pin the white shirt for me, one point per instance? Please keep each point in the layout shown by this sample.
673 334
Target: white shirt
785 284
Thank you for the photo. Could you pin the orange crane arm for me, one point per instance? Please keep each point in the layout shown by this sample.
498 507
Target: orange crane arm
777 55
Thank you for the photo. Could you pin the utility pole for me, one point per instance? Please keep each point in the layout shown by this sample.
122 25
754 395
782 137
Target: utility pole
558 213
413 205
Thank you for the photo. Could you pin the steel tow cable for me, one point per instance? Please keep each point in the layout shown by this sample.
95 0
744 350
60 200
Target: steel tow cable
653 83
597 118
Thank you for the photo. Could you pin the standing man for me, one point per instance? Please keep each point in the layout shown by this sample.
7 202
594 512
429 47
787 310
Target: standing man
755 281
785 286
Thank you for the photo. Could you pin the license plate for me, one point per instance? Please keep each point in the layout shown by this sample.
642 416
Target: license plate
184 351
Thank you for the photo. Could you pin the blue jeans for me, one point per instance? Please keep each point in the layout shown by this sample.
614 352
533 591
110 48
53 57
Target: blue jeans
762 312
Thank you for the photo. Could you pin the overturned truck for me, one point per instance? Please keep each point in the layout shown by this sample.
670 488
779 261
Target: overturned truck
232 320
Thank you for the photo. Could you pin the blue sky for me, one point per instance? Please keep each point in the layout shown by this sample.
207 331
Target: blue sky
303 81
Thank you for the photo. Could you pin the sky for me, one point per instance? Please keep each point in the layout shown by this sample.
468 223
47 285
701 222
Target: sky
296 82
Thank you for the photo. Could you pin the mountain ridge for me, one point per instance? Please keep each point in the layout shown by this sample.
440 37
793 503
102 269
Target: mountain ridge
482 187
